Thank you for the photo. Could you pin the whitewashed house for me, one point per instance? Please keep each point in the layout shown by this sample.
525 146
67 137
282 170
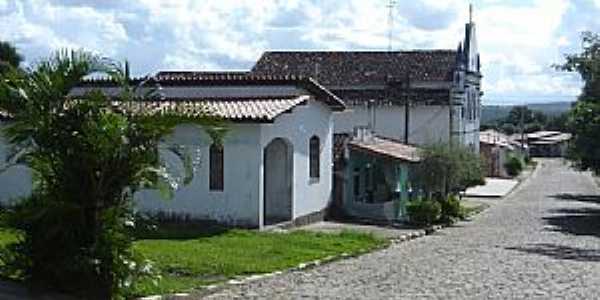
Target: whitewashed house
274 164
418 97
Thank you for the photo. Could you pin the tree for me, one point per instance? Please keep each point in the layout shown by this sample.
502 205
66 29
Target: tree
558 123
446 168
514 116
584 117
88 160
9 57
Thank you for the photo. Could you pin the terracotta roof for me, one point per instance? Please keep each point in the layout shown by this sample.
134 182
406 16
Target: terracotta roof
388 148
394 95
495 138
173 75
200 80
541 134
230 109
358 76
561 137
360 68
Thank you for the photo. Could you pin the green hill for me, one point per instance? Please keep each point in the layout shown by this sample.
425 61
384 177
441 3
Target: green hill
491 113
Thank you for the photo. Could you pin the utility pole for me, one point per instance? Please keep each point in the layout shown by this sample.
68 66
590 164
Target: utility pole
406 109
522 126
391 4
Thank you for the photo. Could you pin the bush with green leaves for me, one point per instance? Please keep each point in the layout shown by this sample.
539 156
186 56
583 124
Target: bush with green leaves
451 209
513 165
423 211
448 168
87 162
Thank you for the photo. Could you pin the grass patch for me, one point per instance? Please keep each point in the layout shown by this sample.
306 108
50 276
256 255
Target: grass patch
188 263
470 208
190 257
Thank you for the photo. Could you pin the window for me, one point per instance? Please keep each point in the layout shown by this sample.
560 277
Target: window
356 184
216 167
314 157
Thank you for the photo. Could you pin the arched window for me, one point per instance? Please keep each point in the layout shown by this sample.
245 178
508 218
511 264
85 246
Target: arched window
216 163
314 153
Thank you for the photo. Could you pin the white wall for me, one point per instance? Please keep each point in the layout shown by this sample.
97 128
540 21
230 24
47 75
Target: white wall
15 182
238 203
428 123
314 118
241 201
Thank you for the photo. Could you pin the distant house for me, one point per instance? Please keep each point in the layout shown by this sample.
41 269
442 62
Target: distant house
274 164
548 143
417 97
495 149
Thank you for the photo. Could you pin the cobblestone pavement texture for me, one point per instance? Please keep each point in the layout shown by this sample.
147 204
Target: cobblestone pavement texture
541 242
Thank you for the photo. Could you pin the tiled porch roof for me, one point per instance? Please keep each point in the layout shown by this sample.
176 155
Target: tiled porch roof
387 148
258 110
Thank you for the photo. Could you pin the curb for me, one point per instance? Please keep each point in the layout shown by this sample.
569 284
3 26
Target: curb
523 182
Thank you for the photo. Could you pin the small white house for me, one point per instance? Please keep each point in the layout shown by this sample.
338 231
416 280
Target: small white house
274 164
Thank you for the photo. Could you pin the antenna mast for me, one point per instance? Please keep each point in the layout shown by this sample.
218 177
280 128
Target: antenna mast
390 7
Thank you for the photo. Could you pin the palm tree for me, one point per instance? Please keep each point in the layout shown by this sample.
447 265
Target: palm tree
87 161
9 56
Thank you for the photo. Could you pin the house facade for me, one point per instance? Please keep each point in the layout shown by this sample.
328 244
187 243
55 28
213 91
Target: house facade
380 173
273 164
418 97
548 143
496 149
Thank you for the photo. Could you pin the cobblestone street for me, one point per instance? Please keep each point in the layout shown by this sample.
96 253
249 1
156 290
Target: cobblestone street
542 242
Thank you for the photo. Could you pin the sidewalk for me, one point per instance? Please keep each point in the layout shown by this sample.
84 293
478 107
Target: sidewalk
493 188
387 232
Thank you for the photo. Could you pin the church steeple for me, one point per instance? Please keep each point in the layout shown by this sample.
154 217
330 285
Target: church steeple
471 53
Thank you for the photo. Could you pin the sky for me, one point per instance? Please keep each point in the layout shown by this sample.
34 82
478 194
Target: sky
519 41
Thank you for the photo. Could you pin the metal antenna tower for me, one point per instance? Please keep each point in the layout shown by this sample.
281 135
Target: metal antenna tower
391 4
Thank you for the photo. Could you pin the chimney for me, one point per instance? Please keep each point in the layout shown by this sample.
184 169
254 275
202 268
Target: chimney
363 134
372 115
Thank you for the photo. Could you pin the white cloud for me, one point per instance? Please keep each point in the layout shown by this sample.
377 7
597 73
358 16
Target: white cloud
519 40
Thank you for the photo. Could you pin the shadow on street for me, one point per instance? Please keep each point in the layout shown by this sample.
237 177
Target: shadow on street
560 252
578 197
576 221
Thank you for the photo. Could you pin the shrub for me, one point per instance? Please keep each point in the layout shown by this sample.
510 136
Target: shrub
513 166
448 168
424 212
451 209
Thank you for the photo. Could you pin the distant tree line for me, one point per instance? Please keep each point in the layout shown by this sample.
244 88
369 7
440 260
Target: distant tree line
532 120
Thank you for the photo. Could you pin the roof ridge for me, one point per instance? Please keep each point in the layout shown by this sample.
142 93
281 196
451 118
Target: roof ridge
361 51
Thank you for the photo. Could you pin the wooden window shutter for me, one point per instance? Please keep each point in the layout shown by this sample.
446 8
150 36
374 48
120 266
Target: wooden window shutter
314 157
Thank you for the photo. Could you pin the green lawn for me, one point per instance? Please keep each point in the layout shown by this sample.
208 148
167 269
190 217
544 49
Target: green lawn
189 259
